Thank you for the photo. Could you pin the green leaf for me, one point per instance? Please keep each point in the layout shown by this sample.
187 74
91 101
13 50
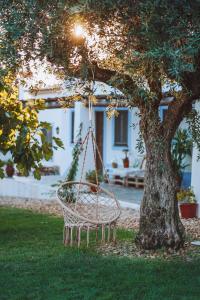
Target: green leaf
2 173
37 174
58 142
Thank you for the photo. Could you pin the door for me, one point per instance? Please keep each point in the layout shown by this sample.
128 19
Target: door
99 117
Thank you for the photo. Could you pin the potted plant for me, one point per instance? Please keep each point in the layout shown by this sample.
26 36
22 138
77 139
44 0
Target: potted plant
126 159
188 205
10 168
93 177
114 164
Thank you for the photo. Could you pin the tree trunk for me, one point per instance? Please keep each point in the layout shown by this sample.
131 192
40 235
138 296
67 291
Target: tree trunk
160 224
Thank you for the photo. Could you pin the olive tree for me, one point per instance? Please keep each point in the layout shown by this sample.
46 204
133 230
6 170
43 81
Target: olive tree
138 47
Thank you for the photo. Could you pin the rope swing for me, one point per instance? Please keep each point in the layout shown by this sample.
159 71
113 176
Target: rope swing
87 206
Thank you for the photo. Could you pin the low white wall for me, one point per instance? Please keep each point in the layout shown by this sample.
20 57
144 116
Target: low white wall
14 187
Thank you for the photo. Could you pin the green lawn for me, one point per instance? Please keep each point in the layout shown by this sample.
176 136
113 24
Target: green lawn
35 265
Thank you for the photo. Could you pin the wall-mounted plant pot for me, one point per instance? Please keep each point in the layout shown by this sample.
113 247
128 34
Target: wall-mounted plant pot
10 171
188 210
114 165
126 162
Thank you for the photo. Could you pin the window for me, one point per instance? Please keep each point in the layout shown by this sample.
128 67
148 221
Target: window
72 127
121 129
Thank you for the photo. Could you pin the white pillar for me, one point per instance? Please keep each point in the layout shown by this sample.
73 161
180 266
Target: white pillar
82 116
195 182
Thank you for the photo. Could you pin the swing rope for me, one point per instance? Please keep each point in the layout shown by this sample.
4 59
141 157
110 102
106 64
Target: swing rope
95 149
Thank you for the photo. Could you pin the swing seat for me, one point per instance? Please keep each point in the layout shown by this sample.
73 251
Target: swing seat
87 206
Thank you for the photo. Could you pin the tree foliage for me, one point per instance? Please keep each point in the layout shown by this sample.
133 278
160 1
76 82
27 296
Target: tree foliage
143 42
21 134
138 46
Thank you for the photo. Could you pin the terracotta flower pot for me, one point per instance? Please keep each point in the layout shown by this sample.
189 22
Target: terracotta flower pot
10 170
93 189
114 165
188 210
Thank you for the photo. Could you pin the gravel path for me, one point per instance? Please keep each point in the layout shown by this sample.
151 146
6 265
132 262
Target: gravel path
129 218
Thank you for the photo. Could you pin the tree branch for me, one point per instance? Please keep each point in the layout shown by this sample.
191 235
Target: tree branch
177 110
121 81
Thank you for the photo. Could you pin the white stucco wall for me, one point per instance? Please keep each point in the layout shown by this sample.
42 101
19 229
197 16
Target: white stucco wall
5 157
86 162
59 118
62 118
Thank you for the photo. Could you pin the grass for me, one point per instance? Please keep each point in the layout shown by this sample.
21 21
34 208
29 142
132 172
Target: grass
35 265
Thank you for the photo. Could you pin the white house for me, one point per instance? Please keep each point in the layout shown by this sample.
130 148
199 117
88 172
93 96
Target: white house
113 135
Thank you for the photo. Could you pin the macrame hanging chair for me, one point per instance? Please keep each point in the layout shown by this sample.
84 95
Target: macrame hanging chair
88 206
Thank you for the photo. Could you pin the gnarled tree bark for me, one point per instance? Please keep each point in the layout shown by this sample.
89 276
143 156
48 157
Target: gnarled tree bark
160 225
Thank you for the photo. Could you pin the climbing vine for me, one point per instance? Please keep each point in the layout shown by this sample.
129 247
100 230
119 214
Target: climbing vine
75 157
